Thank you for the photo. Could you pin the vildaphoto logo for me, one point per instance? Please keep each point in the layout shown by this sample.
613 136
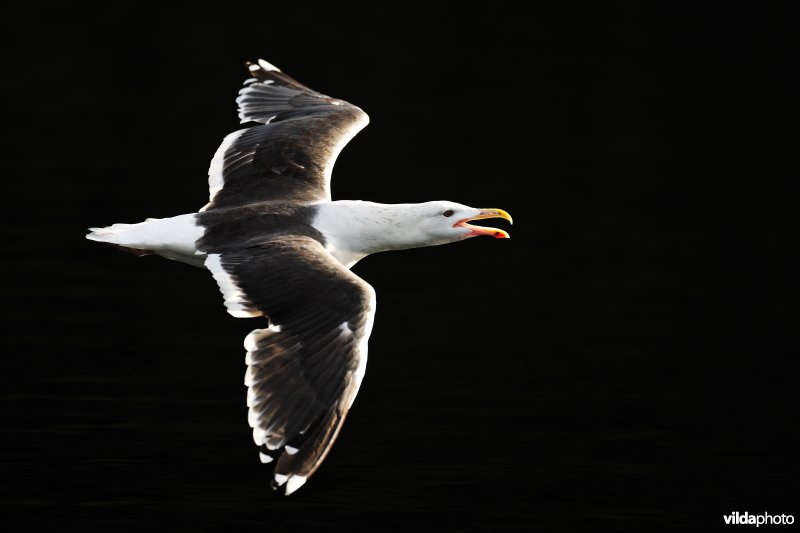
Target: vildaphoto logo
765 519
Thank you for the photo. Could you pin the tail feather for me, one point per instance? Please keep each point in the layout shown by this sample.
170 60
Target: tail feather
173 238
138 252
109 234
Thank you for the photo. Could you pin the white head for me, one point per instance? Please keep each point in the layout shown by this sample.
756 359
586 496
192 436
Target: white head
354 228
440 222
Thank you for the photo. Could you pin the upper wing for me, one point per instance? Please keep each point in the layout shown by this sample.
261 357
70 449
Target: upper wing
290 155
305 369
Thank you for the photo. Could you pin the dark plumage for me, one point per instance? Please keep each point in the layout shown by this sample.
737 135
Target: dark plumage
280 248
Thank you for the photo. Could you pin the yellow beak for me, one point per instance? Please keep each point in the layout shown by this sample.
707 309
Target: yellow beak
482 230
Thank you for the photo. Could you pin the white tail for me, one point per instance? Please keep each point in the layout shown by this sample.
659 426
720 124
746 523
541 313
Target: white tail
113 234
173 238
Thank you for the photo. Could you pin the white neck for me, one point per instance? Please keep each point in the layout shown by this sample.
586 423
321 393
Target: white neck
353 229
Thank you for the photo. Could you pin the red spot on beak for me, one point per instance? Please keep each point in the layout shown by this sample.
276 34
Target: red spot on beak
483 230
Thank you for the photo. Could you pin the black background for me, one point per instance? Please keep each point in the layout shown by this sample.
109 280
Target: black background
627 361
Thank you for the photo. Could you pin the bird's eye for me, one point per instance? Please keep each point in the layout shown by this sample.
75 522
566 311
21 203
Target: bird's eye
448 213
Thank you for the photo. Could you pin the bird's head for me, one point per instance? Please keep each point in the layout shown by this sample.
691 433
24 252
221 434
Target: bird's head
365 228
442 222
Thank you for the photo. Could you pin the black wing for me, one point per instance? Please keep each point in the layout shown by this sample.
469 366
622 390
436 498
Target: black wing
290 154
305 369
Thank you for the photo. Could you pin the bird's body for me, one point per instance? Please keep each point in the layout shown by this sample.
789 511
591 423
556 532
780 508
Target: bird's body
279 247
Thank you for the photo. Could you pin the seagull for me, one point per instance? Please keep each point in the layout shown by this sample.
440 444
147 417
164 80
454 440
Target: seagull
280 248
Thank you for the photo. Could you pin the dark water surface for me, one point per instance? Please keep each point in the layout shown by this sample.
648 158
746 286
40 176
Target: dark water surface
626 362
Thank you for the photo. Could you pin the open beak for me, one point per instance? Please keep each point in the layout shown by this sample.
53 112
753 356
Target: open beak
482 230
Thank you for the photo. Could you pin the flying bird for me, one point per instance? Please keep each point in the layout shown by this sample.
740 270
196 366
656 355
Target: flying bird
280 248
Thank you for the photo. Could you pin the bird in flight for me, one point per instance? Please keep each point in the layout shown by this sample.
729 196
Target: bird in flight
280 248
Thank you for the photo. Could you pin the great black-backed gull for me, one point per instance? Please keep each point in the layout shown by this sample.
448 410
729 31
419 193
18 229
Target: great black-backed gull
279 248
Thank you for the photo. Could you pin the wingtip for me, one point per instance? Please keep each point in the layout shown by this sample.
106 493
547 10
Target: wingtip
294 483
261 64
266 459
266 65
